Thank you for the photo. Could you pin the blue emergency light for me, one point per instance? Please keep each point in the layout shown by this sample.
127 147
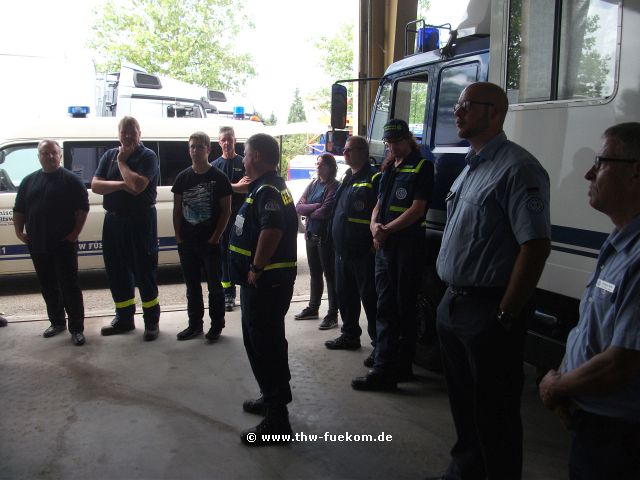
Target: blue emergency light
427 39
78 112
238 112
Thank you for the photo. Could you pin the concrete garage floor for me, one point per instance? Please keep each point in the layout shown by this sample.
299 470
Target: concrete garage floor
120 408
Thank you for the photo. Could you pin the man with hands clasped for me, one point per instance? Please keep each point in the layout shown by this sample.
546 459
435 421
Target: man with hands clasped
597 390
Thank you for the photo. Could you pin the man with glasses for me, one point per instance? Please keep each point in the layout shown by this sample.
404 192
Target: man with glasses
494 247
201 209
353 245
597 390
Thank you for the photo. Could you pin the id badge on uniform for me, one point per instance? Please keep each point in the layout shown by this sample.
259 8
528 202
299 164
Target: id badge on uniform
239 224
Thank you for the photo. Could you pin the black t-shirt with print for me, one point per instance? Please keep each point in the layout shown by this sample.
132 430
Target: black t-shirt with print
201 194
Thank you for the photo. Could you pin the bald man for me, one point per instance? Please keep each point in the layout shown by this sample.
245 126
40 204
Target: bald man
494 247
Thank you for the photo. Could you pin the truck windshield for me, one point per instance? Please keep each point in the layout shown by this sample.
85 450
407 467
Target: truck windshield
410 105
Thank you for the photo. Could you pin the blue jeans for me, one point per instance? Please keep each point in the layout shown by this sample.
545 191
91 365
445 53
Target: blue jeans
321 261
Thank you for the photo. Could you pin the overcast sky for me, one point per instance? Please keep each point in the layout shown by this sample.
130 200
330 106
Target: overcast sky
281 43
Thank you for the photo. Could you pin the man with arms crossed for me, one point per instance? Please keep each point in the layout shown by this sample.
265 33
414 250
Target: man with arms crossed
127 176
493 251
597 390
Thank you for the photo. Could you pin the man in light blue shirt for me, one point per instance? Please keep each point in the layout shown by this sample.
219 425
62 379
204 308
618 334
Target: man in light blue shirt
597 390
493 251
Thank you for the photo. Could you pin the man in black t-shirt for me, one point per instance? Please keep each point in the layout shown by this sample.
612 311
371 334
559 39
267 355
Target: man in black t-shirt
53 204
201 209
232 165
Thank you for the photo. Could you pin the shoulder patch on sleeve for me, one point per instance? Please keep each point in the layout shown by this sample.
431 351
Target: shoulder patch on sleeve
272 206
535 204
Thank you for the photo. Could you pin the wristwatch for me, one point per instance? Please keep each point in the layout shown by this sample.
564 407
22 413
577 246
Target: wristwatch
255 269
505 319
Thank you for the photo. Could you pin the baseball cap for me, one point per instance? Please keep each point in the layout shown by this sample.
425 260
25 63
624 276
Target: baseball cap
395 129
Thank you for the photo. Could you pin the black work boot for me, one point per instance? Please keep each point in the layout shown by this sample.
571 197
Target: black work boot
117 327
375 382
273 430
257 406
151 332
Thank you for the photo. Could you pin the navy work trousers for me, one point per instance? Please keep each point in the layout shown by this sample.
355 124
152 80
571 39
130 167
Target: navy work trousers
355 283
604 448
229 288
483 368
195 258
263 332
398 272
57 273
130 250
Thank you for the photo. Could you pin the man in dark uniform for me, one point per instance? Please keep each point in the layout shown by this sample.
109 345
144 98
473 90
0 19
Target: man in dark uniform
127 176
53 204
494 247
353 245
232 166
262 252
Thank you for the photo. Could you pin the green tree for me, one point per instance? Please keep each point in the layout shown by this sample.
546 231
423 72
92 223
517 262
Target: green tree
272 120
191 40
296 111
292 145
593 69
336 58
588 79
423 9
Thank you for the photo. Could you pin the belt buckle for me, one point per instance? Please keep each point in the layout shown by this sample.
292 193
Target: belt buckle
461 291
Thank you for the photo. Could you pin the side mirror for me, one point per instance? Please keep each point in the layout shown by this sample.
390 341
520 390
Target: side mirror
336 140
338 106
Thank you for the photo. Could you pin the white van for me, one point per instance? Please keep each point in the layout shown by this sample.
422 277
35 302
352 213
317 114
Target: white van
83 142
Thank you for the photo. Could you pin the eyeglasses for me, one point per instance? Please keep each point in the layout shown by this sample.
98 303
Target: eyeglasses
392 142
598 161
466 105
